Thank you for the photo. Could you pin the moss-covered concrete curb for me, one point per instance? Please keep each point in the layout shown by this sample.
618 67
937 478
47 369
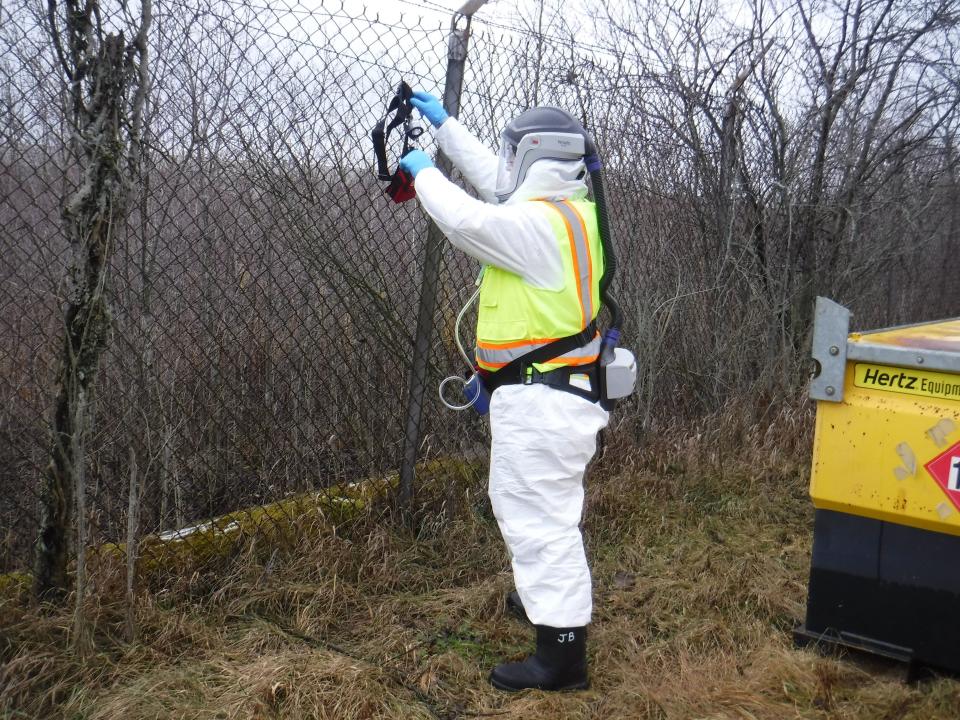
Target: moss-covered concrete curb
219 537
173 551
14 584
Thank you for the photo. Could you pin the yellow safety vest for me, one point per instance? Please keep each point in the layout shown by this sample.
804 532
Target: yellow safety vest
515 317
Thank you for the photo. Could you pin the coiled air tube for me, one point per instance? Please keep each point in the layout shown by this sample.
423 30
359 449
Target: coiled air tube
464 382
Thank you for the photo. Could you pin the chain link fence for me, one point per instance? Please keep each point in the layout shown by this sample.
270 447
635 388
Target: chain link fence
264 291
263 288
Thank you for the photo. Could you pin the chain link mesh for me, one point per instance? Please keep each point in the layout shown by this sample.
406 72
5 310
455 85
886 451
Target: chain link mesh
264 290
262 316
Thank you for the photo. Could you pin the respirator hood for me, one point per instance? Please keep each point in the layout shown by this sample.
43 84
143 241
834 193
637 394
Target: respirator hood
537 135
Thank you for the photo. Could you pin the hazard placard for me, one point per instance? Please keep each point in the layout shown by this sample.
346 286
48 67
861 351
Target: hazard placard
945 469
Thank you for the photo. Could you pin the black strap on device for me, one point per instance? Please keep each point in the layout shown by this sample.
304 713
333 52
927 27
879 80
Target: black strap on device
516 371
400 188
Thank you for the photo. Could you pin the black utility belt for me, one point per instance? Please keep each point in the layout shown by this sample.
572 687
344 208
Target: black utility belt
521 370
558 379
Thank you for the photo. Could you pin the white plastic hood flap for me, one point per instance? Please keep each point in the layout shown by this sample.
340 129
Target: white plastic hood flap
551 180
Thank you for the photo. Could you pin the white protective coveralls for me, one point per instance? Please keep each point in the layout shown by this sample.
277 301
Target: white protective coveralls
542 438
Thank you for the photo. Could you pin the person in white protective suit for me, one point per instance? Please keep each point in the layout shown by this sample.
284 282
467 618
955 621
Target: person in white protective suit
536 235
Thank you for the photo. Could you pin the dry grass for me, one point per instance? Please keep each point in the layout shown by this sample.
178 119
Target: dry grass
699 569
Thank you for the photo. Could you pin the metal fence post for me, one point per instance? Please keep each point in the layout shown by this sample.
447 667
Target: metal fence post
456 60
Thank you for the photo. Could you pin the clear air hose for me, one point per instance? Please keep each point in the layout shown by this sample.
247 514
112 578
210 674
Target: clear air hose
466 358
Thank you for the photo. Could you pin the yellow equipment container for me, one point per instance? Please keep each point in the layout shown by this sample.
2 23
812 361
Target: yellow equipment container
885 482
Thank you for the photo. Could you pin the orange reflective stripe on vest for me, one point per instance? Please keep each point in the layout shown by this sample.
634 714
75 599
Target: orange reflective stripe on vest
580 252
516 318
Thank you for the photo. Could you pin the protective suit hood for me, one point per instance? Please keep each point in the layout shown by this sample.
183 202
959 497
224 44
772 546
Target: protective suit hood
551 180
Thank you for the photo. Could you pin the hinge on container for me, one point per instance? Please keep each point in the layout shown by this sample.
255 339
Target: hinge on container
831 325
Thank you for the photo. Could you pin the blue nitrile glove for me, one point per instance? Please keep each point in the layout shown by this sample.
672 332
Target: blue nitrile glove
429 107
415 161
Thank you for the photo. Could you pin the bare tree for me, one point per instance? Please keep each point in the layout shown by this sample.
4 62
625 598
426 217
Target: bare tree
105 76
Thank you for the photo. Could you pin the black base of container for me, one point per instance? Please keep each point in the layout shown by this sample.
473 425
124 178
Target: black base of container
886 589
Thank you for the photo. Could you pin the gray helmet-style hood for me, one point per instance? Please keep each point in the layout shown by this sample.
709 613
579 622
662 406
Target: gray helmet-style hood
541 133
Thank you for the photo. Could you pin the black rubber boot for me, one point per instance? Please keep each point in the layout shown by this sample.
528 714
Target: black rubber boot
560 663
515 606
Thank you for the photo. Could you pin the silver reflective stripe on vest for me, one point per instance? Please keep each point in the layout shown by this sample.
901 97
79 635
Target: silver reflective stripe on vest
582 255
502 357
